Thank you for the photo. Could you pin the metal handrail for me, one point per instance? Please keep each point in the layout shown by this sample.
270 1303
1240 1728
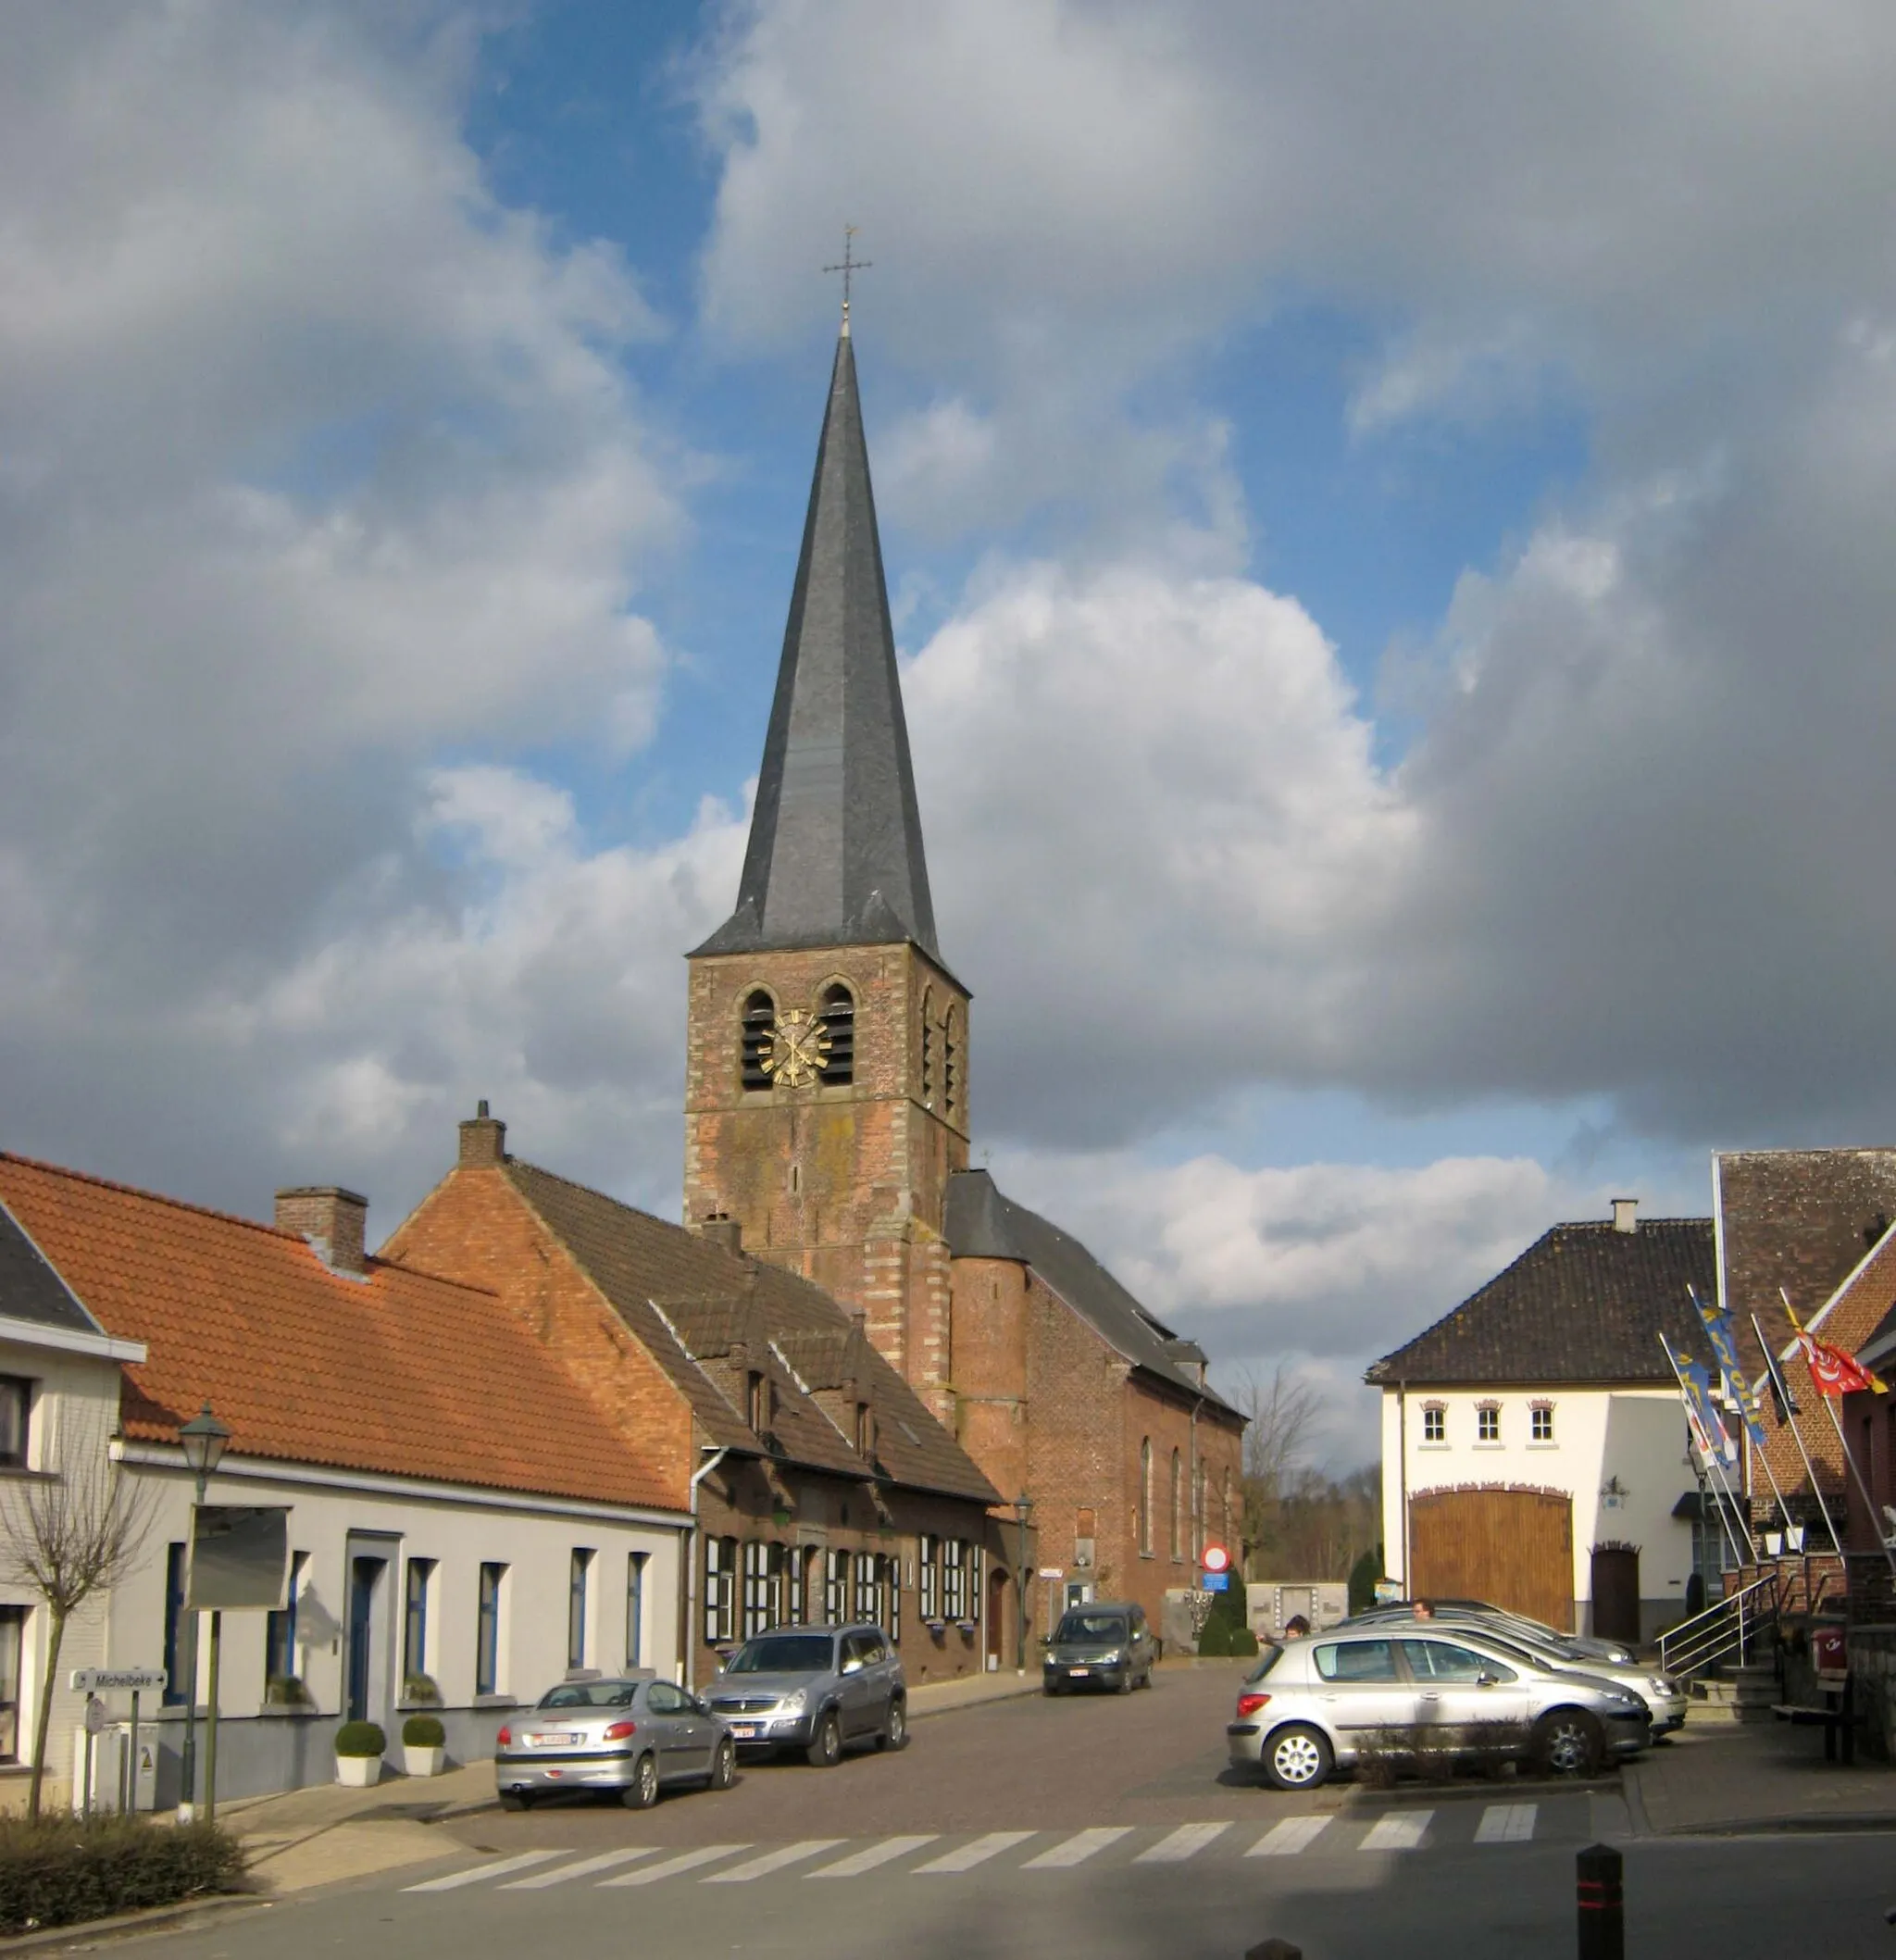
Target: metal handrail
1732 1624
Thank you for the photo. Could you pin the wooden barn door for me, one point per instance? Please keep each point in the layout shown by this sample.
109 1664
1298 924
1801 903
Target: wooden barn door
1616 1592
1511 1548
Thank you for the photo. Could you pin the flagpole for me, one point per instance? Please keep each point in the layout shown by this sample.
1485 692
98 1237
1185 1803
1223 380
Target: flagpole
1708 1462
1796 1436
1869 1502
1739 1387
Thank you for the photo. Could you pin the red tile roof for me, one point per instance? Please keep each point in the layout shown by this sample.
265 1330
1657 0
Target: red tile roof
395 1372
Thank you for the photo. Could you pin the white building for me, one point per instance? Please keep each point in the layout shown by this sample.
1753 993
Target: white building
1533 1443
465 1523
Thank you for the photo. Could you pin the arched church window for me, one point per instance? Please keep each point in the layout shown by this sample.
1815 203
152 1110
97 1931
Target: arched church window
929 1059
759 1016
1177 1507
950 1064
837 1014
1145 1497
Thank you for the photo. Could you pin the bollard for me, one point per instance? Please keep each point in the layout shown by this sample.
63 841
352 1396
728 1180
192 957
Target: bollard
1275 1950
1601 1908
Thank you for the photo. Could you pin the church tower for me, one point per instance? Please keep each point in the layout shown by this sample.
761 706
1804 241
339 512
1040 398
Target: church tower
826 1082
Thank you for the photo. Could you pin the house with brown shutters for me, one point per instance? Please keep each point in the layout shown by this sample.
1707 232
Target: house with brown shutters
819 1486
1533 1443
466 1522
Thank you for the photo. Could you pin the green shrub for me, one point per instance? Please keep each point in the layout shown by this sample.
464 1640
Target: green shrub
1364 1574
360 1739
1215 1639
59 1871
1225 1622
1244 1642
424 1731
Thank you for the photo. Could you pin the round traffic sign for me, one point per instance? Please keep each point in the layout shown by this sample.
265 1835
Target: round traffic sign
1215 1559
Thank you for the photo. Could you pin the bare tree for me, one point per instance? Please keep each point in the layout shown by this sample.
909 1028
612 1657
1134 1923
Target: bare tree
68 1536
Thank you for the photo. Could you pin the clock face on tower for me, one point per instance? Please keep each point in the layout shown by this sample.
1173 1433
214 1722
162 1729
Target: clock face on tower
799 1045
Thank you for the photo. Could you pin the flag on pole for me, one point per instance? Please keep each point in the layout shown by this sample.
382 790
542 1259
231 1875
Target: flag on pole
1780 1389
1718 1324
1702 1415
1833 1371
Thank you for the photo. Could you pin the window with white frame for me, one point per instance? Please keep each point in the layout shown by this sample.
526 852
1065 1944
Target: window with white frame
1542 1420
720 1590
865 1603
487 1630
797 1566
415 1653
757 1587
1434 1422
12 1641
635 1610
836 1587
579 1582
928 1576
891 1615
954 1578
16 1417
1488 1422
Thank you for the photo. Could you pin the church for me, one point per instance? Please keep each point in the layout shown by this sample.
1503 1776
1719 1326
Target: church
988 1425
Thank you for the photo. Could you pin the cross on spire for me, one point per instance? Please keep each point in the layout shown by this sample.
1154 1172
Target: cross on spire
848 264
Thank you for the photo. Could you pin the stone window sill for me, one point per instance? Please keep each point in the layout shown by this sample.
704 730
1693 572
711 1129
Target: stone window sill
494 1701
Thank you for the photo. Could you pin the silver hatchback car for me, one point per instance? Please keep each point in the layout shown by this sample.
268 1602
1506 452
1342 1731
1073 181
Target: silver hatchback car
632 1735
1337 1699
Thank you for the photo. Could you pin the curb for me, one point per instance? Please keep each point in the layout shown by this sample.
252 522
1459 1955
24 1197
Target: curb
1848 1823
1502 1789
125 1925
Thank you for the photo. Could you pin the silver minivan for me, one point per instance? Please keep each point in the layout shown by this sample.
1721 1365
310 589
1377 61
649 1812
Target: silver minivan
1337 1699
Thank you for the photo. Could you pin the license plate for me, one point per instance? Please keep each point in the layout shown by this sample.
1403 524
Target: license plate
744 1731
1079 1670
551 1741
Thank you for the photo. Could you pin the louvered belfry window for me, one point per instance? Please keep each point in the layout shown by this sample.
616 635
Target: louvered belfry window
838 1017
760 1013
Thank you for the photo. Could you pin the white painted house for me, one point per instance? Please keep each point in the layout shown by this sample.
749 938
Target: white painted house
465 1522
1533 1444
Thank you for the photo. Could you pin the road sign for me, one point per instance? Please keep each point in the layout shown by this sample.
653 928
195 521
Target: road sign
1053 1572
96 1716
95 1680
1215 1558
1217 1581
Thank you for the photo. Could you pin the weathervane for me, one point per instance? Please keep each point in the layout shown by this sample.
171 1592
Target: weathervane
847 266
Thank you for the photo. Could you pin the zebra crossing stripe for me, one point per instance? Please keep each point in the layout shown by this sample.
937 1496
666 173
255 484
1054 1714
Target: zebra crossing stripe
766 1863
498 1868
1185 1842
580 1869
1398 1831
1079 1848
876 1855
1287 1838
1506 1824
670 1868
977 1852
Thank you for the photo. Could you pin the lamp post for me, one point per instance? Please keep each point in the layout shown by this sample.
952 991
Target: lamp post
202 1439
1022 1506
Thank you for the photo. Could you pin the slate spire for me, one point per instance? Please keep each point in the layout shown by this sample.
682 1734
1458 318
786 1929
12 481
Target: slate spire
835 857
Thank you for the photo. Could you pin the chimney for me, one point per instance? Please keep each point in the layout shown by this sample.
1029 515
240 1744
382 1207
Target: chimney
1623 1215
721 1228
332 1220
483 1140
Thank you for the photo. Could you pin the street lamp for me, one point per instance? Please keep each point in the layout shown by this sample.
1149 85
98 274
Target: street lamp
202 1440
1022 1506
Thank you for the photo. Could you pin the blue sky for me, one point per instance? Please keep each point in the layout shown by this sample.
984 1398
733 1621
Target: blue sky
1386 511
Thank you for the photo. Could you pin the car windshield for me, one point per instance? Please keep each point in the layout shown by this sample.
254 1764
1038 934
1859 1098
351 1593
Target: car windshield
1091 1627
589 1694
783 1654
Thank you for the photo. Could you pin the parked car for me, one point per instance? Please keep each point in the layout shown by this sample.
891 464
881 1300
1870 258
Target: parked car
1510 1639
1336 1699
1107 1644
630 1734
1582 1646
817 1689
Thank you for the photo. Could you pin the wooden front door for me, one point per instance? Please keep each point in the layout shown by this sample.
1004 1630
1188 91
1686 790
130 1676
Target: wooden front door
1616 1592
1511 1548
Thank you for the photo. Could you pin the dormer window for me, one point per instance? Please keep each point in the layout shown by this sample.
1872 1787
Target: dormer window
754 1042
757 1402
865 1430
838 1016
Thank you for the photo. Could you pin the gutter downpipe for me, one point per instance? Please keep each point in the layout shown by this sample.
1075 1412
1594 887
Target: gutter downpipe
1402 1477
688 1647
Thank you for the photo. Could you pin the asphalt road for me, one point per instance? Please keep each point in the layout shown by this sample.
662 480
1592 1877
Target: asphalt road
1106 1828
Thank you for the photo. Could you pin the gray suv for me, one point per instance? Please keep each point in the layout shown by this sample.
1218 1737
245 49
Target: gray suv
817 1689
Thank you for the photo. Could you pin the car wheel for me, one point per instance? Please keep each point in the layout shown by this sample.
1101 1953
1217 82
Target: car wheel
515 1800
894 1733
724 1764
641 1792
1297 1757
1567 1743
1146 1678
1125 1681
827 1748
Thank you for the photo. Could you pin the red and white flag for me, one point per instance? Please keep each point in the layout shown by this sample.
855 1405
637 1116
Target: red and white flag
1835 1372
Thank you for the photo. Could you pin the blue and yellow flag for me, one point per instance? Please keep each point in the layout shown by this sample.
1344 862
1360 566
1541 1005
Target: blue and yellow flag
1718 1333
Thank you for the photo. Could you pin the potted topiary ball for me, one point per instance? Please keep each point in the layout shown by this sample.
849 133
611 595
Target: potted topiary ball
424 1745
359 1754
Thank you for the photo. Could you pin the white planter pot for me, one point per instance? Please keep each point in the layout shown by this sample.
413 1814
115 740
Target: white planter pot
358 1772
419 1762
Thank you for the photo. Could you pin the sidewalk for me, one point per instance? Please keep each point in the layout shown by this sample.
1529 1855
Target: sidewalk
1755 1777
325 1834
